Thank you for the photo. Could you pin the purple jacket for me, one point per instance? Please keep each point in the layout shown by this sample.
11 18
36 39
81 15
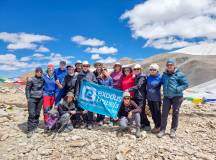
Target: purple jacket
117 79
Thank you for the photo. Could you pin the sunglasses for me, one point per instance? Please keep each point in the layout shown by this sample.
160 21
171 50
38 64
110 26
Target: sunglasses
127 70
153 70
136 69
126 98
85 66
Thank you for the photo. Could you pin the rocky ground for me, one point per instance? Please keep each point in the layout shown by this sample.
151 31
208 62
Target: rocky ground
196 137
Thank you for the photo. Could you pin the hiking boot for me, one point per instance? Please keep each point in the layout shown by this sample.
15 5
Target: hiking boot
172 133
147 128
161 134
68 128
30 134
90 126
138 132
155 130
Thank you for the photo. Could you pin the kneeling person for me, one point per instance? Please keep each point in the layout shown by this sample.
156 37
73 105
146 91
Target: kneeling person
128 112
67 112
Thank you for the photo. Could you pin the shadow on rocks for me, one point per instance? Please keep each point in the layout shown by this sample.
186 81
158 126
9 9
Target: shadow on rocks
23 126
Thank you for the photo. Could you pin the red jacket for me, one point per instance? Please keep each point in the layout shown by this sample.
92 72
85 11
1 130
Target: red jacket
128 82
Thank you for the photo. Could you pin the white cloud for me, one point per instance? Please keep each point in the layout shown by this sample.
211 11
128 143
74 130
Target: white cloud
42 49
23 40
95 56
107 60
38 55
87 41
172 24
26 59
102 50
9 62
55 58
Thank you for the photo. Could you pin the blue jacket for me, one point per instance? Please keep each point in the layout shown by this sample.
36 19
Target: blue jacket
49 85
174 84
154 87
59 75
106 82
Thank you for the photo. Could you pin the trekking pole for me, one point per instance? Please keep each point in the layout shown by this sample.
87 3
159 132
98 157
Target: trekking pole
61 128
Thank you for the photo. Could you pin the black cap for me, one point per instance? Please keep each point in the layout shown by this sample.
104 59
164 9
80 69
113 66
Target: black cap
63 62
39 69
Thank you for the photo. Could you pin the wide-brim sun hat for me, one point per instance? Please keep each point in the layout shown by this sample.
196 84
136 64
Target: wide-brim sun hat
98 63
126 94
78 62
70 94
85 63
137 66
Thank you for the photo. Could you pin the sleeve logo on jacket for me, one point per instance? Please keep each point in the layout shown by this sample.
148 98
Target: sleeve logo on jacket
89 94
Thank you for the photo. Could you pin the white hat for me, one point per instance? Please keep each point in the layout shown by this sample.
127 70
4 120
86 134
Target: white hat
117 63
126 94
137 66
154 66
85 63
78 61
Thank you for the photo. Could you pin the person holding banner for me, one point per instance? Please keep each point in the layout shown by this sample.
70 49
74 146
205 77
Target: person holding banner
140 95
174 83
154 96
128 112
103 79
85 74
117 76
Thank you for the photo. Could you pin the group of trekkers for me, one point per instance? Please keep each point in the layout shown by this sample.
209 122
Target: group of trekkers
58 89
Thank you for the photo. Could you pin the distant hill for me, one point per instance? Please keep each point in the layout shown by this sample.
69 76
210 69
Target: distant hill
198 68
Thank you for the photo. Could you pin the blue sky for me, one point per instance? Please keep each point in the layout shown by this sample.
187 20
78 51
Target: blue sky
101 29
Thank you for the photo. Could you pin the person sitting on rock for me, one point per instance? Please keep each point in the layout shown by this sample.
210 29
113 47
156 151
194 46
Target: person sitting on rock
128 112
67 112
34 96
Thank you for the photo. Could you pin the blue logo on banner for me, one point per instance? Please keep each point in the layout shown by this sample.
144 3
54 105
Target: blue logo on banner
100 99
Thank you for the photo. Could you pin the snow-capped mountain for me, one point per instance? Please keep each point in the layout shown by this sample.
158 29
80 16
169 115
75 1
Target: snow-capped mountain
202 49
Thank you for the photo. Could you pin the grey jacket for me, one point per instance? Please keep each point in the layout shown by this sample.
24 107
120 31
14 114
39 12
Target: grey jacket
34 88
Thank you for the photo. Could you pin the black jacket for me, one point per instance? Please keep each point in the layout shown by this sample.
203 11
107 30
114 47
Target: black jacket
69 83
89 76
34 87
124 111
140 87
